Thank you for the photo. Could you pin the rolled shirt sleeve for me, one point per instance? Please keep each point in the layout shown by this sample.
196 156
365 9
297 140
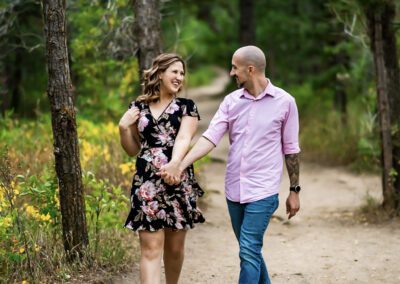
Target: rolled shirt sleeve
219 124
290 130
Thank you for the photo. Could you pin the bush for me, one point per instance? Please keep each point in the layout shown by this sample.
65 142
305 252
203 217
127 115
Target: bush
30 221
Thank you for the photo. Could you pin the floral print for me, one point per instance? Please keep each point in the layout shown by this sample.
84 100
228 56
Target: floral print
143 122
154 204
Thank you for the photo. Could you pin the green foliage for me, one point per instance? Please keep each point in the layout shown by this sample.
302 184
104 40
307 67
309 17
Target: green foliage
202 33
326 139
200 77
30 228
30 199
104 85
104 204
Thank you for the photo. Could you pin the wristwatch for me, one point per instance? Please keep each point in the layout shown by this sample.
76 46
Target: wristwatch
295 188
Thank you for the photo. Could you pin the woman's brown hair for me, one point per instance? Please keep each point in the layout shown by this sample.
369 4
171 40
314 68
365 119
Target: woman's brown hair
151 79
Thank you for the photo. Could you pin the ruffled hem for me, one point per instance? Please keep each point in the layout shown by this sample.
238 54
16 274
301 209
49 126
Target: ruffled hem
156 225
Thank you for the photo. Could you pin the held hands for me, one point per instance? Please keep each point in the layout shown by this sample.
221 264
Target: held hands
129 118
171 173
292 204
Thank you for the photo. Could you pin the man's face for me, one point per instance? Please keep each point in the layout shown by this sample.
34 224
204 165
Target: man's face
239 71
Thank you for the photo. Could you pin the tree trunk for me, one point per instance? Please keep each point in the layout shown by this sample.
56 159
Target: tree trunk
340 100
16 79
147 31
4 96
383 45
393 83
66 149
341 60
247 31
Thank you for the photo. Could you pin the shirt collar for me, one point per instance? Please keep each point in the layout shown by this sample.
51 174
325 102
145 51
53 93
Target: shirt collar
269 90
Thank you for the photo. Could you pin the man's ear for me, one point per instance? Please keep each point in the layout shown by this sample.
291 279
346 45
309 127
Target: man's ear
251 69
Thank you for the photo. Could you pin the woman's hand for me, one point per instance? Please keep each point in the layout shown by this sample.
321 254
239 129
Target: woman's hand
129 118
171 173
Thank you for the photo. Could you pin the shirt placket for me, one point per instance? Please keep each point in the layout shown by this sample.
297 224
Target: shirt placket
243 161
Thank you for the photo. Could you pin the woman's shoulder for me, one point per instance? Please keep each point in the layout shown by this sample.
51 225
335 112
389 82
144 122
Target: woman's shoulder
184 101
137 103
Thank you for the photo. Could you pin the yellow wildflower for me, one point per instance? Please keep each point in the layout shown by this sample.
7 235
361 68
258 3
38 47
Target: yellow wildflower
111 129
7 222
3 203
45 217
111 21
24 282
95 131
21 250
127 168
106 154
57 200
37 248
32 211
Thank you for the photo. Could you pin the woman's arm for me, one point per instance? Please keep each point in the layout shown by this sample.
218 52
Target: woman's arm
129 141
182 142
128 132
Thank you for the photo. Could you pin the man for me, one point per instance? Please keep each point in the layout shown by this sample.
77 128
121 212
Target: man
262 121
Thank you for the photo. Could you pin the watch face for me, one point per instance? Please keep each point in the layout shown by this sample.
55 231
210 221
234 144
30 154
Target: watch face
296 188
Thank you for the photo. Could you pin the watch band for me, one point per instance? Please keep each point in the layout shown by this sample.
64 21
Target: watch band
295 188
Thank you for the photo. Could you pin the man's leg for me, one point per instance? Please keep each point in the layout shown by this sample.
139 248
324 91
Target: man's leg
236 212
255 222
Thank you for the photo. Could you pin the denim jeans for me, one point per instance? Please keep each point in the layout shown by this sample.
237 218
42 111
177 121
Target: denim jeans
249 222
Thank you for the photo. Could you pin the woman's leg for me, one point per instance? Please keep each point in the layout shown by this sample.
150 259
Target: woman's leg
174 251
151 247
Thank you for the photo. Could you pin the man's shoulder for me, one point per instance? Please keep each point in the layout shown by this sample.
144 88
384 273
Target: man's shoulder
282 94
234 95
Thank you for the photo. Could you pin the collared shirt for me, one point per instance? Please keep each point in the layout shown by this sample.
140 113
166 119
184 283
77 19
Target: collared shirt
261 131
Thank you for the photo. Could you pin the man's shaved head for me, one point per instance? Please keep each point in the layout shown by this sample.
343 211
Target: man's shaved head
252 55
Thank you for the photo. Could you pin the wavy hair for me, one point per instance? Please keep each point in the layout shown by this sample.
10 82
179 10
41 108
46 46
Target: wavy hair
151 78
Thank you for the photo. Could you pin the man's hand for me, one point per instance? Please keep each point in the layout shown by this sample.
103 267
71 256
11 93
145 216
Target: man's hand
292 204
171 173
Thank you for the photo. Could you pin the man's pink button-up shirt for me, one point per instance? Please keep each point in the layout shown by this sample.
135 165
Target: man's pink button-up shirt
261 131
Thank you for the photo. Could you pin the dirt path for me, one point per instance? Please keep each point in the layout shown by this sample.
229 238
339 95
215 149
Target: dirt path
322 244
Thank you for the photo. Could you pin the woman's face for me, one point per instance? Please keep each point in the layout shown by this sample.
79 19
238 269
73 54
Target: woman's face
172 78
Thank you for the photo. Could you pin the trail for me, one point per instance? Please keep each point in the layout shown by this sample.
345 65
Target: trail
322 244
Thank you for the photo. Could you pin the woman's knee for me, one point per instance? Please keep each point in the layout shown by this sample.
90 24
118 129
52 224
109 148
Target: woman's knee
151 247
151 251
175 250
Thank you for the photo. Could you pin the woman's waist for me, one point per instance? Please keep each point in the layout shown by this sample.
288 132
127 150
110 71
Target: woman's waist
151 153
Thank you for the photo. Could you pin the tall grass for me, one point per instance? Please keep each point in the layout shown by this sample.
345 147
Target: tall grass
31 247
331 138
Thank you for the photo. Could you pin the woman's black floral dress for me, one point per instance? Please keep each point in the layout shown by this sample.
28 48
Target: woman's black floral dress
155 204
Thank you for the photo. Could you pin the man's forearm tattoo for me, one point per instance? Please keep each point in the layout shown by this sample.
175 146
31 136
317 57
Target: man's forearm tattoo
293 168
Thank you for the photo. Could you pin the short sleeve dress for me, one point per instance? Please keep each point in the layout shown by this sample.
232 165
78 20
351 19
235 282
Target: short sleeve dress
154 204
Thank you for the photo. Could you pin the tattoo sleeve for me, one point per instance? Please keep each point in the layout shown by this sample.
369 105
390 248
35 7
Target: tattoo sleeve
293 168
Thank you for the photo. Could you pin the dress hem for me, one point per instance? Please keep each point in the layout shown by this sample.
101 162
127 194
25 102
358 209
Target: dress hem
192 226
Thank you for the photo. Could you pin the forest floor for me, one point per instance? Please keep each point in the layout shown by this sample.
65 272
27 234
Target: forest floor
326 242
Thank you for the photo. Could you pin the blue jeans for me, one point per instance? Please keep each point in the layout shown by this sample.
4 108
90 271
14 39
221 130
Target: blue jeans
249 222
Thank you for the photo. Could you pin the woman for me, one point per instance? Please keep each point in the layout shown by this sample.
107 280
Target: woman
158 128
